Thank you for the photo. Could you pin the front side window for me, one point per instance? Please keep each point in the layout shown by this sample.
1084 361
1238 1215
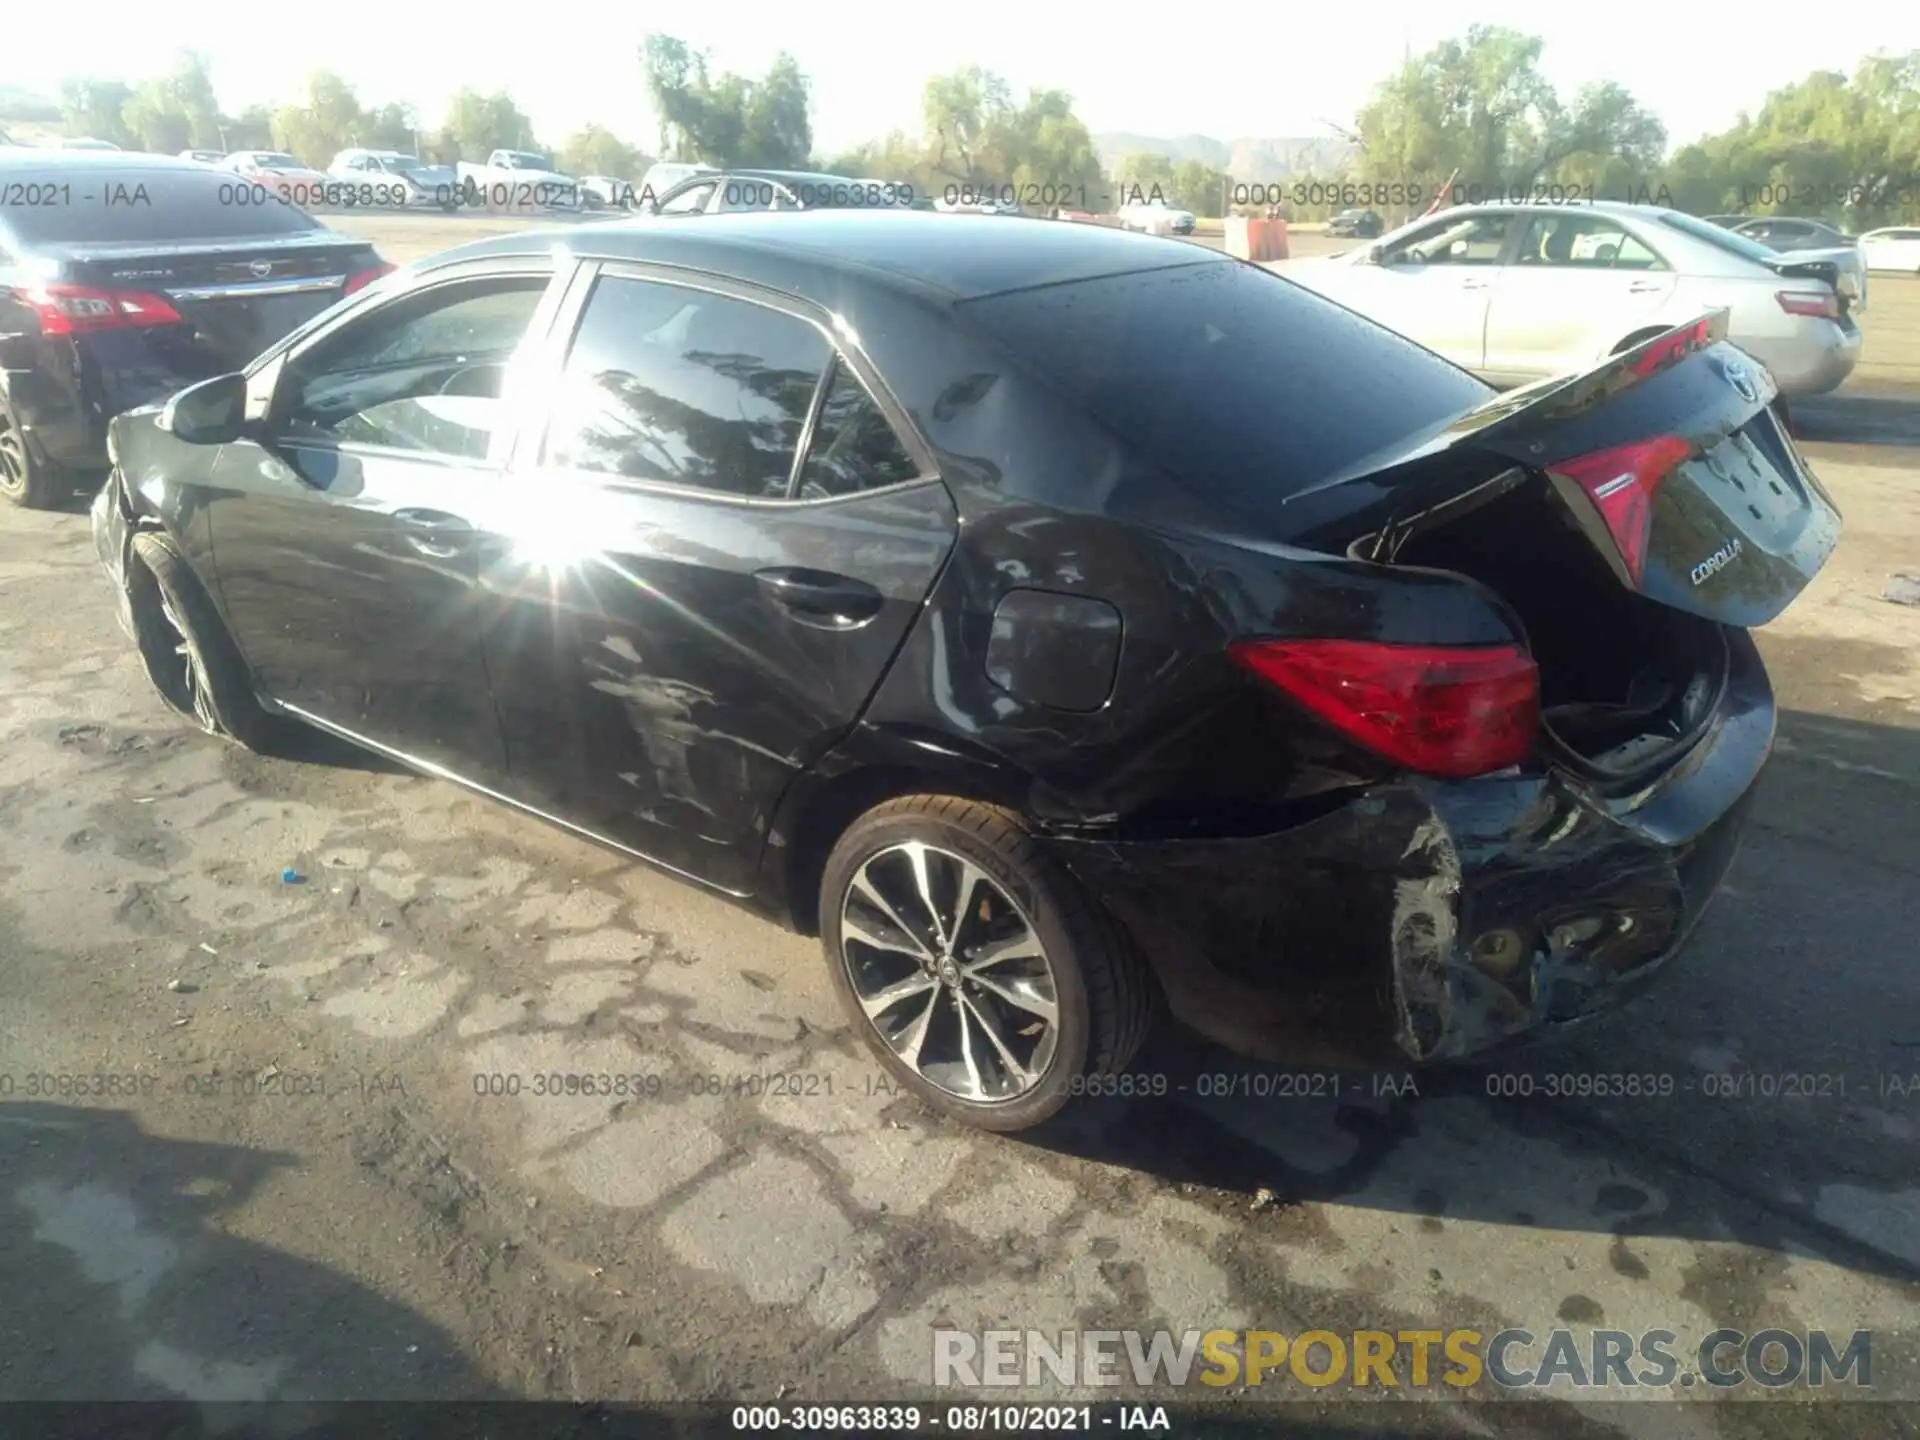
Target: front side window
1466 240
425 373
670 384
690 201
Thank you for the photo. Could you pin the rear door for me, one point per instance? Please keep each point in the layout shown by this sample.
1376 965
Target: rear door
735 530
1578 283
349 542
1435 284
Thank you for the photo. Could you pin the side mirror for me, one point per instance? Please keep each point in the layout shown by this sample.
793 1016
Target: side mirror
214 412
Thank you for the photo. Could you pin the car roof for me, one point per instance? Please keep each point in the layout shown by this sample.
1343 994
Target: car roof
47 157
813 253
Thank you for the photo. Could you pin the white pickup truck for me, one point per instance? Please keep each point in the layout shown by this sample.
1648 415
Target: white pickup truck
518 180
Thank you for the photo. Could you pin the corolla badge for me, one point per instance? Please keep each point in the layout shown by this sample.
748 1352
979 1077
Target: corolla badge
1717 561
1741 378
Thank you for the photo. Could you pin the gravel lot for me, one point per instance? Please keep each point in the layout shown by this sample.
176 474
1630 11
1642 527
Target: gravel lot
306 1192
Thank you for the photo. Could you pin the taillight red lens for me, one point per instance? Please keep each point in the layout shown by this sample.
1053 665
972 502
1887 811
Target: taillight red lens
1817 304
366 278
1674 346
1621 483
81 309
1443 710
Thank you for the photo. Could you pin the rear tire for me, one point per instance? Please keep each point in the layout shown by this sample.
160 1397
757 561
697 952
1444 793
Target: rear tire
1019 986
189 657
25 480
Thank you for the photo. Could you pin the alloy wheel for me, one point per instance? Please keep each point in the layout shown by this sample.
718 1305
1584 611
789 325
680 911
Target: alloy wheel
13 458
950 972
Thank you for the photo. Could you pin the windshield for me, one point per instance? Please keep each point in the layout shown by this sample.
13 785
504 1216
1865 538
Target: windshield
1231 379
527 160
1720 239
277 162
147 206
403 162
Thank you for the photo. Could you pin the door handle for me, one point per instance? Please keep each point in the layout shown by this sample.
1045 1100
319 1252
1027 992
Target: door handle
1644 287
434 533
821 598
1473 284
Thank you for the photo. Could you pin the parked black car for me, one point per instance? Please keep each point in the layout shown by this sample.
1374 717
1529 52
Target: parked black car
1363 224
725 192
124 277
1058 621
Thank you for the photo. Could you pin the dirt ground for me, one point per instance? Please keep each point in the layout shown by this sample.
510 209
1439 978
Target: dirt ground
255 1142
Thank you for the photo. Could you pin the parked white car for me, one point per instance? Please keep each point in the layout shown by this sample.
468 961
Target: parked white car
1156 217
204 157
391 178
1896 247
1517 293
609 192
520 179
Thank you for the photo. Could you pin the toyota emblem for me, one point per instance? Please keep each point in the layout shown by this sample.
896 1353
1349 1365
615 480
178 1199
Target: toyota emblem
260 269
1741 379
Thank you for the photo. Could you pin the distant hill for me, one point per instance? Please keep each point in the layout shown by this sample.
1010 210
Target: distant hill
1254 159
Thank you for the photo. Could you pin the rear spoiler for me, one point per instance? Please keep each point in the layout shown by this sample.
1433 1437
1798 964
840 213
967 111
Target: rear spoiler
1504 423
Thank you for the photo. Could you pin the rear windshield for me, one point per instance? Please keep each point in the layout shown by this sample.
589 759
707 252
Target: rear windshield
99 204
1229 378
1728 240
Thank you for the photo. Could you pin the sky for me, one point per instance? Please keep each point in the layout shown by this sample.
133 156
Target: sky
1274 70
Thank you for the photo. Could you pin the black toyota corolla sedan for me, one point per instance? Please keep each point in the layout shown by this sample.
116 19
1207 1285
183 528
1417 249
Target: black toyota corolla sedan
1066 625
124 277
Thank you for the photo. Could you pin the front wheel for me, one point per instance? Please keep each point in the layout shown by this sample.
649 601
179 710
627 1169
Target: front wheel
189 657
979 973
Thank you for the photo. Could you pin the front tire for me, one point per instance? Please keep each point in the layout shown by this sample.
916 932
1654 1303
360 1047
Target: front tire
980 974
26 480
189 657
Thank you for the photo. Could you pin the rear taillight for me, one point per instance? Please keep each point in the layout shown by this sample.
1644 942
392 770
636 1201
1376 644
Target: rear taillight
1439 710
81 309
1621 483
1818 304
366 278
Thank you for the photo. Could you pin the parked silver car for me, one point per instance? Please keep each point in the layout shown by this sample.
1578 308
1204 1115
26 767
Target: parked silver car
1516 293
1805 240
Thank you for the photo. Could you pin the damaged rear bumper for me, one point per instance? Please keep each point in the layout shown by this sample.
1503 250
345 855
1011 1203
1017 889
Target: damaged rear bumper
1422 920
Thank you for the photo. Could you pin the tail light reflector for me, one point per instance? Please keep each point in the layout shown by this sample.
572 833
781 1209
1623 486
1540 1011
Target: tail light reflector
1442 710
1621 483
366 278
81 309
1819 304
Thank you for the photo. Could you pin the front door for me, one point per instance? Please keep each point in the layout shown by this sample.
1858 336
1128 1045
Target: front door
1433 286
696 614
348 546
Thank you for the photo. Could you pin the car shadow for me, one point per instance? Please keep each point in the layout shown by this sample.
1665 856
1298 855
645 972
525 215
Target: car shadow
1788 1034
124 1282
305 745
1857 417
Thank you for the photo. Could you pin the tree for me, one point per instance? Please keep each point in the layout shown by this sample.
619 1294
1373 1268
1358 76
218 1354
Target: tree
177 111
476 125
1480 106
1038 152
594 151
326 120
1201 188
733 120
94 108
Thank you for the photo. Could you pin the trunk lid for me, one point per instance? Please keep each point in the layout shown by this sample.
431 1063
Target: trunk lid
1674 441
239 296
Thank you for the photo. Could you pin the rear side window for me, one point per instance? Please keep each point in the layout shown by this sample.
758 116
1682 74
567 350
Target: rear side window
107 205
686 387
1236 382
854 447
